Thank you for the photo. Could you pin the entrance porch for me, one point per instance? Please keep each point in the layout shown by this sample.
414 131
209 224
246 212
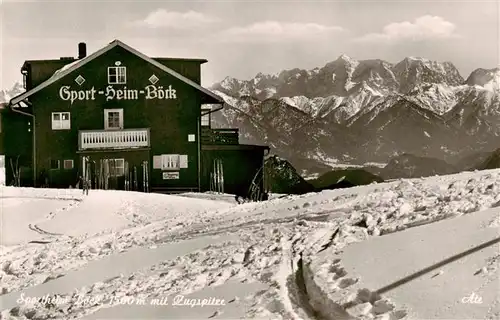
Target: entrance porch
116 170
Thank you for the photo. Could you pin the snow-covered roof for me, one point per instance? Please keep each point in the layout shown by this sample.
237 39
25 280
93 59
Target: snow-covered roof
79 63
64 68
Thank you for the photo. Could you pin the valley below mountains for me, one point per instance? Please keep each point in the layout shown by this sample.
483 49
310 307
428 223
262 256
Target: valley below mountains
353 112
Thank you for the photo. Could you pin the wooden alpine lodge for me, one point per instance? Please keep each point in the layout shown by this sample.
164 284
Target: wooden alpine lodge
122 120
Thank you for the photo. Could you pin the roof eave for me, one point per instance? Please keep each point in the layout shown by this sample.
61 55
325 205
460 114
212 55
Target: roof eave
211 99
15 100
200 60
25 65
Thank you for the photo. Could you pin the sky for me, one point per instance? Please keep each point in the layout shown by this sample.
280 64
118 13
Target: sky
242 38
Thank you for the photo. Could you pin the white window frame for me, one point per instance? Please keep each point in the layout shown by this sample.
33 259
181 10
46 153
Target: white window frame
119 171
170 161
205 119
68 161
120 72
61 124
106 123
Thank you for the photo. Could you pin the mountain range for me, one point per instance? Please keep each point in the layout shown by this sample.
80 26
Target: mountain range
353 112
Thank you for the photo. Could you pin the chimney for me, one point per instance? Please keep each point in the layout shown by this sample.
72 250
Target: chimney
82 50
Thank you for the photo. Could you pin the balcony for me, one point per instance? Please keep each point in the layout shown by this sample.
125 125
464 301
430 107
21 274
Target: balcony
220 136
116 139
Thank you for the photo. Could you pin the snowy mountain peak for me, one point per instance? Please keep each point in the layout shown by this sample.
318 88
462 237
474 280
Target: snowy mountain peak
345 57
259 76
432 64
6 95
348 61
487 78
413 72
229 82
417 59
263 77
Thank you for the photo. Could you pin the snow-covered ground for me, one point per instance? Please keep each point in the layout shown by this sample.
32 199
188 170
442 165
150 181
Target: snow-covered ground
425 274
325 255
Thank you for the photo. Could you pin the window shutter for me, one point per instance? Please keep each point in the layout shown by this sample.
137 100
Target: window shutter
156 162
183 160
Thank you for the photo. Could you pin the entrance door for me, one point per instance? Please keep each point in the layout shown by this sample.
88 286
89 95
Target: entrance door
112 173
115 172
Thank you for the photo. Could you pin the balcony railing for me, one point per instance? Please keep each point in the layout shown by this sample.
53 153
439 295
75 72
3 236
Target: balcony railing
119 139
220 136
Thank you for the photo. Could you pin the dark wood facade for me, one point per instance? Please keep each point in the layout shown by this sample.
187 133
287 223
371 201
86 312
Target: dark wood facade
241 165
149 125
16 154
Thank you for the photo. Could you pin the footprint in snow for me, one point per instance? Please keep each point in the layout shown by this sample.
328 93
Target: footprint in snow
483 270
438 274
215 314
233 300
338 272
366 295
249 256
344 283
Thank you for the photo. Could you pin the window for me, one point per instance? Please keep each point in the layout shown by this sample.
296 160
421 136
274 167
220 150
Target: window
205 119
117 75
54 164
61 121
191 138
170 161
116 167
113 119
68 164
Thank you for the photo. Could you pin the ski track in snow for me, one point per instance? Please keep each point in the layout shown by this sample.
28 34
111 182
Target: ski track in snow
276 238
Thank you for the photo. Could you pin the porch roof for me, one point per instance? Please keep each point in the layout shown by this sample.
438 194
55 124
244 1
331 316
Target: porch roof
233 147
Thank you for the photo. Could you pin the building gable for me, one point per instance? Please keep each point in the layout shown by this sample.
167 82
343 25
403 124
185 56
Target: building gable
73 66
141 85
